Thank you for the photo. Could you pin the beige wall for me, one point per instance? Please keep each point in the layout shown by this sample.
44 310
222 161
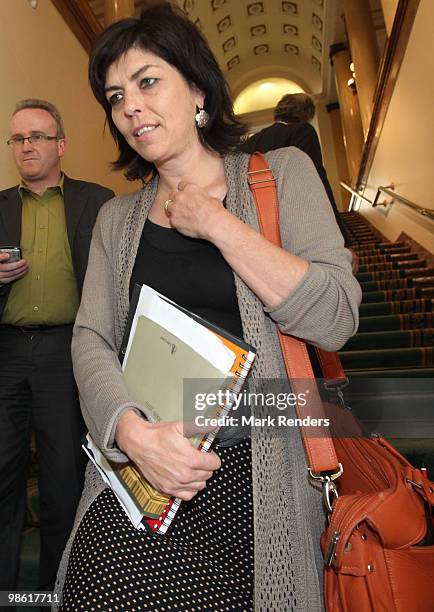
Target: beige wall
41 58
389 11
405 154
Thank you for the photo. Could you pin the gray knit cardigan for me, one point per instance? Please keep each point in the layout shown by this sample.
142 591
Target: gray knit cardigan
322 309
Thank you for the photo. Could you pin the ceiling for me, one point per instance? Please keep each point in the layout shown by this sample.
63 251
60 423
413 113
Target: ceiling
257 40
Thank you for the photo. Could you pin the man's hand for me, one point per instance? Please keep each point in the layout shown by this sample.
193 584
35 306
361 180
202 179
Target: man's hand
10 272
354 261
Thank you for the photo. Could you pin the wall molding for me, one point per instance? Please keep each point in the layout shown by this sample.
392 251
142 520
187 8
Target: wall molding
81 20
388 74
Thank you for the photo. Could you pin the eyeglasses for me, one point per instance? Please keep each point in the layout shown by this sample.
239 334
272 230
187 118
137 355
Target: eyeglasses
17 141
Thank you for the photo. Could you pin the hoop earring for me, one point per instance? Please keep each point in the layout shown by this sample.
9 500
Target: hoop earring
202 118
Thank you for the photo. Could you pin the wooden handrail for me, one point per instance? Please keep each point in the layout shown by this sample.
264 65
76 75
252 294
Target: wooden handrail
392 60
81 19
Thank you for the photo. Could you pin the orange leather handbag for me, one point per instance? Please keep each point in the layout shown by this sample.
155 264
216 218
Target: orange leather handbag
378 543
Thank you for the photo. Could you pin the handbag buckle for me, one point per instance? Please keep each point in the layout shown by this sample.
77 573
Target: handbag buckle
331 554
329 494
252 173
337 387
338 383
329 490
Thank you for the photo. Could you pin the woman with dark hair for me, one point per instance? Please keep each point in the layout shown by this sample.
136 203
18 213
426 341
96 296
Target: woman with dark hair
247 533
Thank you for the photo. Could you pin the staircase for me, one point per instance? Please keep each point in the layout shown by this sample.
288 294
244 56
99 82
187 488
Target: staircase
390 361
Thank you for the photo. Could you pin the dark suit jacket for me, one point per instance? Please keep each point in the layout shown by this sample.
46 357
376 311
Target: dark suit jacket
304 137
82 203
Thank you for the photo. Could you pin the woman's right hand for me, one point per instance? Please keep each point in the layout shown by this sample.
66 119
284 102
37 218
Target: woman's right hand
165 457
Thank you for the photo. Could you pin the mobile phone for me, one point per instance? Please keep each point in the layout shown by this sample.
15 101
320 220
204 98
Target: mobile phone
14 253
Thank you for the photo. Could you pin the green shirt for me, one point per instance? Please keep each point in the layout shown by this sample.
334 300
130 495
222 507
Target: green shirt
47 294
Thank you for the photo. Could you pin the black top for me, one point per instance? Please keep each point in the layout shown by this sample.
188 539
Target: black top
191 272
304 137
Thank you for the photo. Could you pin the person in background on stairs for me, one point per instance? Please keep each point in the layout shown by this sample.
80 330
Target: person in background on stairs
249 523
50 217
292 128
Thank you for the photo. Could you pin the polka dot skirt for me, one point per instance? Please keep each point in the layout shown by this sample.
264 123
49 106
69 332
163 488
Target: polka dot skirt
204 562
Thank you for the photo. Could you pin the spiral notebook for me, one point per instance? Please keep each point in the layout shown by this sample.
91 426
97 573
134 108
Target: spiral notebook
165 349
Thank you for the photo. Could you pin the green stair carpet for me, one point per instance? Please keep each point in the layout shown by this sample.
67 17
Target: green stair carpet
391 339
420 320
395 340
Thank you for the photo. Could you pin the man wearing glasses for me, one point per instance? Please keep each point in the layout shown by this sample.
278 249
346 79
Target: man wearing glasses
51 217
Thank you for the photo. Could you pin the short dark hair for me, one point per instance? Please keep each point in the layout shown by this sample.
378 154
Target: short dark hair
167 32
46 106
295 108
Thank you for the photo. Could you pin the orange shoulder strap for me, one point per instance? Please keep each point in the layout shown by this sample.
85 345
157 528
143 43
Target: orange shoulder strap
319 446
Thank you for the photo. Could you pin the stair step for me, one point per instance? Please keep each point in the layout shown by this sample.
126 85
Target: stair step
419 273
356 226
383 405
374 251
398 283
391 373
382 246
387 285
405 248
419 451
360 230
398 307
427 281
390 339
387 245
385 358
376 259
397 322
392 265
393 295
363 240
393 274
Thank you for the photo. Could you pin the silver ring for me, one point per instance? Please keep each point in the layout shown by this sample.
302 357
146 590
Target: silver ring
167 204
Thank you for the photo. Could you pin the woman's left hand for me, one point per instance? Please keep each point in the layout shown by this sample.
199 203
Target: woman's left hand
193 212
268 270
